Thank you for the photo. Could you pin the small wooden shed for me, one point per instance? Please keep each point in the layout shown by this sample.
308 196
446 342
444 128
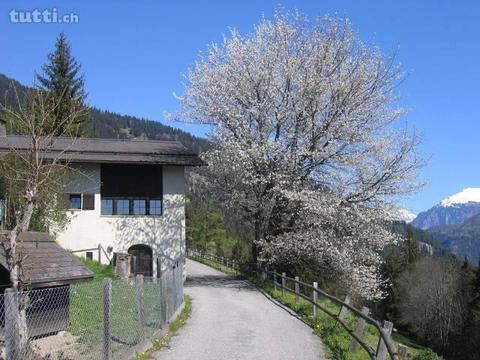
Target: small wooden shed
48 269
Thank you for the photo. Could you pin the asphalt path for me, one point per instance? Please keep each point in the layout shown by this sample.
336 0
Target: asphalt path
232 320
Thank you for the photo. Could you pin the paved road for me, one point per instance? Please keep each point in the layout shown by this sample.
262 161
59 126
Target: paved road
231 320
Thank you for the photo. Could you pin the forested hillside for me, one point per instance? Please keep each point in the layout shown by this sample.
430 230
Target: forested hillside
106 124
427 243
463 240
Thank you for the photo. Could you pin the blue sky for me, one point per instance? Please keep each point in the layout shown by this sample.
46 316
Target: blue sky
133 55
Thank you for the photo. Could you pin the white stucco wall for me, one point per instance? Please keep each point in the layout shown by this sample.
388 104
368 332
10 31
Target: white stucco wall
165 234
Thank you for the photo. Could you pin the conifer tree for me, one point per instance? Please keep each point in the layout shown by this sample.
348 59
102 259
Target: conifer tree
63 78
411 252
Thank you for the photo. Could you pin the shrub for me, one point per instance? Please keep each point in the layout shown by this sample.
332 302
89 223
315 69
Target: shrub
426 354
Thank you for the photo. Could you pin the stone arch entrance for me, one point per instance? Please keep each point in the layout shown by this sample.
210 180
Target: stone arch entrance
142 260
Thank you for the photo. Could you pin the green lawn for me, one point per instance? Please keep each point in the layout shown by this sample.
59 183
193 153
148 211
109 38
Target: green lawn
86 311
100 271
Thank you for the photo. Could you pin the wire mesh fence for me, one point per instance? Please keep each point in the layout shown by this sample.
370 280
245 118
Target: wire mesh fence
106 319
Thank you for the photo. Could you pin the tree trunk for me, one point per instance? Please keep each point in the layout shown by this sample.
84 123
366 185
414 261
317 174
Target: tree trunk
16 333
258 236
16 318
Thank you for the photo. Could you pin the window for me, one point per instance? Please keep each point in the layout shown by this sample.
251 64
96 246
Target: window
139 207
112 206
155 207
88 202
122 207
89 255
107 207
75 201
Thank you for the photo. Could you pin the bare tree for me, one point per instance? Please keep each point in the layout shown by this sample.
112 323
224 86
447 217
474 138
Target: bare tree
432 304
304 118
33 170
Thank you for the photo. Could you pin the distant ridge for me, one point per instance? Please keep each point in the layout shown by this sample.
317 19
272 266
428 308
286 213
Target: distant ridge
454 210
455 223
110 125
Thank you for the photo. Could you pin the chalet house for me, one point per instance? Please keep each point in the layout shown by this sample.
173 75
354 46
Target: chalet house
124 196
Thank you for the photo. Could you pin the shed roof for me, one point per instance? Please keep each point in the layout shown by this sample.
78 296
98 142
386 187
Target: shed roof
45 262
109 150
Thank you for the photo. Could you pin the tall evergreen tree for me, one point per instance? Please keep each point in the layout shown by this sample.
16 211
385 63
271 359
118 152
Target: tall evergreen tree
62 76
410 249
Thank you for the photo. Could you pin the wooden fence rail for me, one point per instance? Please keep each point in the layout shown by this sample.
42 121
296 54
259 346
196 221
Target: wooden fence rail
225 261
384 346
100 250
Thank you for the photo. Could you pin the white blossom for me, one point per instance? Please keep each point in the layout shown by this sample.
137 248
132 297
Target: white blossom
307 146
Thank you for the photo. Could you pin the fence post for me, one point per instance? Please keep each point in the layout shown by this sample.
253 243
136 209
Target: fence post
134 258
382 347
13 348
107 317
283 283
140 305
315 298
297 288
359 329
343 310
402 352
275 280
163 300
99 253
169 292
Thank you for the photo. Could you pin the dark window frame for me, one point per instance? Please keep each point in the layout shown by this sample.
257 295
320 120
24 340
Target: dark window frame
89 255
131 206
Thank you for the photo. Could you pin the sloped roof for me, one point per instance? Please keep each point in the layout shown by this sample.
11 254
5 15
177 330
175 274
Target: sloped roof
109 150
45 262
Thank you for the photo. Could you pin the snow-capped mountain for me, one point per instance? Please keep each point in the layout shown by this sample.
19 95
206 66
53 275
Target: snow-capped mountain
454 210
404 215
468 195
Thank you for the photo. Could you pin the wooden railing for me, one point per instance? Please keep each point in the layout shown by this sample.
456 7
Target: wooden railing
384 346
100 250
225 261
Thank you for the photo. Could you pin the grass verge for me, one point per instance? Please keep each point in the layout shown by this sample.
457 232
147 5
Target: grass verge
174 326
99 270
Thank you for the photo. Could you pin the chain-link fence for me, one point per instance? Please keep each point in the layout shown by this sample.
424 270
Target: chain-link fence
107 319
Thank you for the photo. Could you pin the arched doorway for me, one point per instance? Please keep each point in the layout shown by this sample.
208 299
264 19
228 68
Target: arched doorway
142 260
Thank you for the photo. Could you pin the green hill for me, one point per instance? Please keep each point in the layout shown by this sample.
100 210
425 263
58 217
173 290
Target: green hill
106 124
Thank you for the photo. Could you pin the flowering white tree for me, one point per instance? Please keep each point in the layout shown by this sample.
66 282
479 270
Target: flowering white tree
307 150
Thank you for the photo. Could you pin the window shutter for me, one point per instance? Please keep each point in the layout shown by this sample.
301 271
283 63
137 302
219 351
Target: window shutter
88 202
